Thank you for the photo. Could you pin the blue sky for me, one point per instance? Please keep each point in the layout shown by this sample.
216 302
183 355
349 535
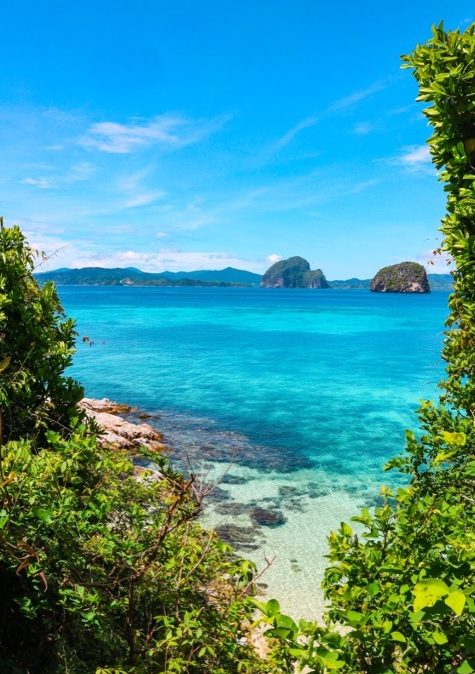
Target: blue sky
185 134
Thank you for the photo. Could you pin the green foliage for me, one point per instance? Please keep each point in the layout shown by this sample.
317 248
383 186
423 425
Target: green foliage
101 568
36 345
401 587
445 71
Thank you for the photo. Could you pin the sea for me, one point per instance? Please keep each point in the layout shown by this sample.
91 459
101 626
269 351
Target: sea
284 403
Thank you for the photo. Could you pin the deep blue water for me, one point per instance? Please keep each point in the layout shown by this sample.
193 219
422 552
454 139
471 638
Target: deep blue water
329 378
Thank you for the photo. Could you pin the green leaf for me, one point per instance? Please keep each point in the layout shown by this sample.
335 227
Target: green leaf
354 616
4 517
5 363
286 622
415 618
346 529
456 601
272 608
42 514
458 439
439 638
428 591
465 668
329 658
446 454
397 636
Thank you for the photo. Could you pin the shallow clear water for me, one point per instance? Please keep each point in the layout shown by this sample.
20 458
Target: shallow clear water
305 393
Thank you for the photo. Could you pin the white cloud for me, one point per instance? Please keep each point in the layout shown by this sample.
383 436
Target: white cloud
124 138
272 259
415 155
339 106
363 128
288 137
42 183
168 131
362 186
161 260
134 180
349 101
415 159
144 199
77 173
401 110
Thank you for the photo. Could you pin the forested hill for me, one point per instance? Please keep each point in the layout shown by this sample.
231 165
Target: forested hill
132 276
229 276
436 282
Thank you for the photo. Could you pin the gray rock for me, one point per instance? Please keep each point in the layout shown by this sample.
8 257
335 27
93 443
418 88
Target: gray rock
118 432
267 518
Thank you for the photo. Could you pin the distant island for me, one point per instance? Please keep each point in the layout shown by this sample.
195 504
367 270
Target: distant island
131 276
294 272
405 277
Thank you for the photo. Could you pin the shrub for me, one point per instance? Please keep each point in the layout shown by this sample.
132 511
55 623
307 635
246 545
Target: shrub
101 568
36 345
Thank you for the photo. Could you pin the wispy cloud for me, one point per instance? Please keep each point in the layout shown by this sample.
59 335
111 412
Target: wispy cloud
144 199
346 102
291 133
415 159
363 128
164 259
340 106
42 183
401 110
180 260
136 192
166 131
124 138
415 155
77 173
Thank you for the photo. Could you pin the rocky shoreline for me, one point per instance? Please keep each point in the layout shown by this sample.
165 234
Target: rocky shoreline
117 432
123 427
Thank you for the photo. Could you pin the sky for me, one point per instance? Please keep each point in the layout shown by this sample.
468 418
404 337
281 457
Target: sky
192 134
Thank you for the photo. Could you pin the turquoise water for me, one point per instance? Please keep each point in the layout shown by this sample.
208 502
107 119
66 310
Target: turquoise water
300 395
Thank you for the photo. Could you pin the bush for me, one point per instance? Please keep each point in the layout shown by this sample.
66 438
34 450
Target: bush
100 568
36 345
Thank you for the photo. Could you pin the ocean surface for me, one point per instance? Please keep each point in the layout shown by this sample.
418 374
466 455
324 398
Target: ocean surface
290 401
